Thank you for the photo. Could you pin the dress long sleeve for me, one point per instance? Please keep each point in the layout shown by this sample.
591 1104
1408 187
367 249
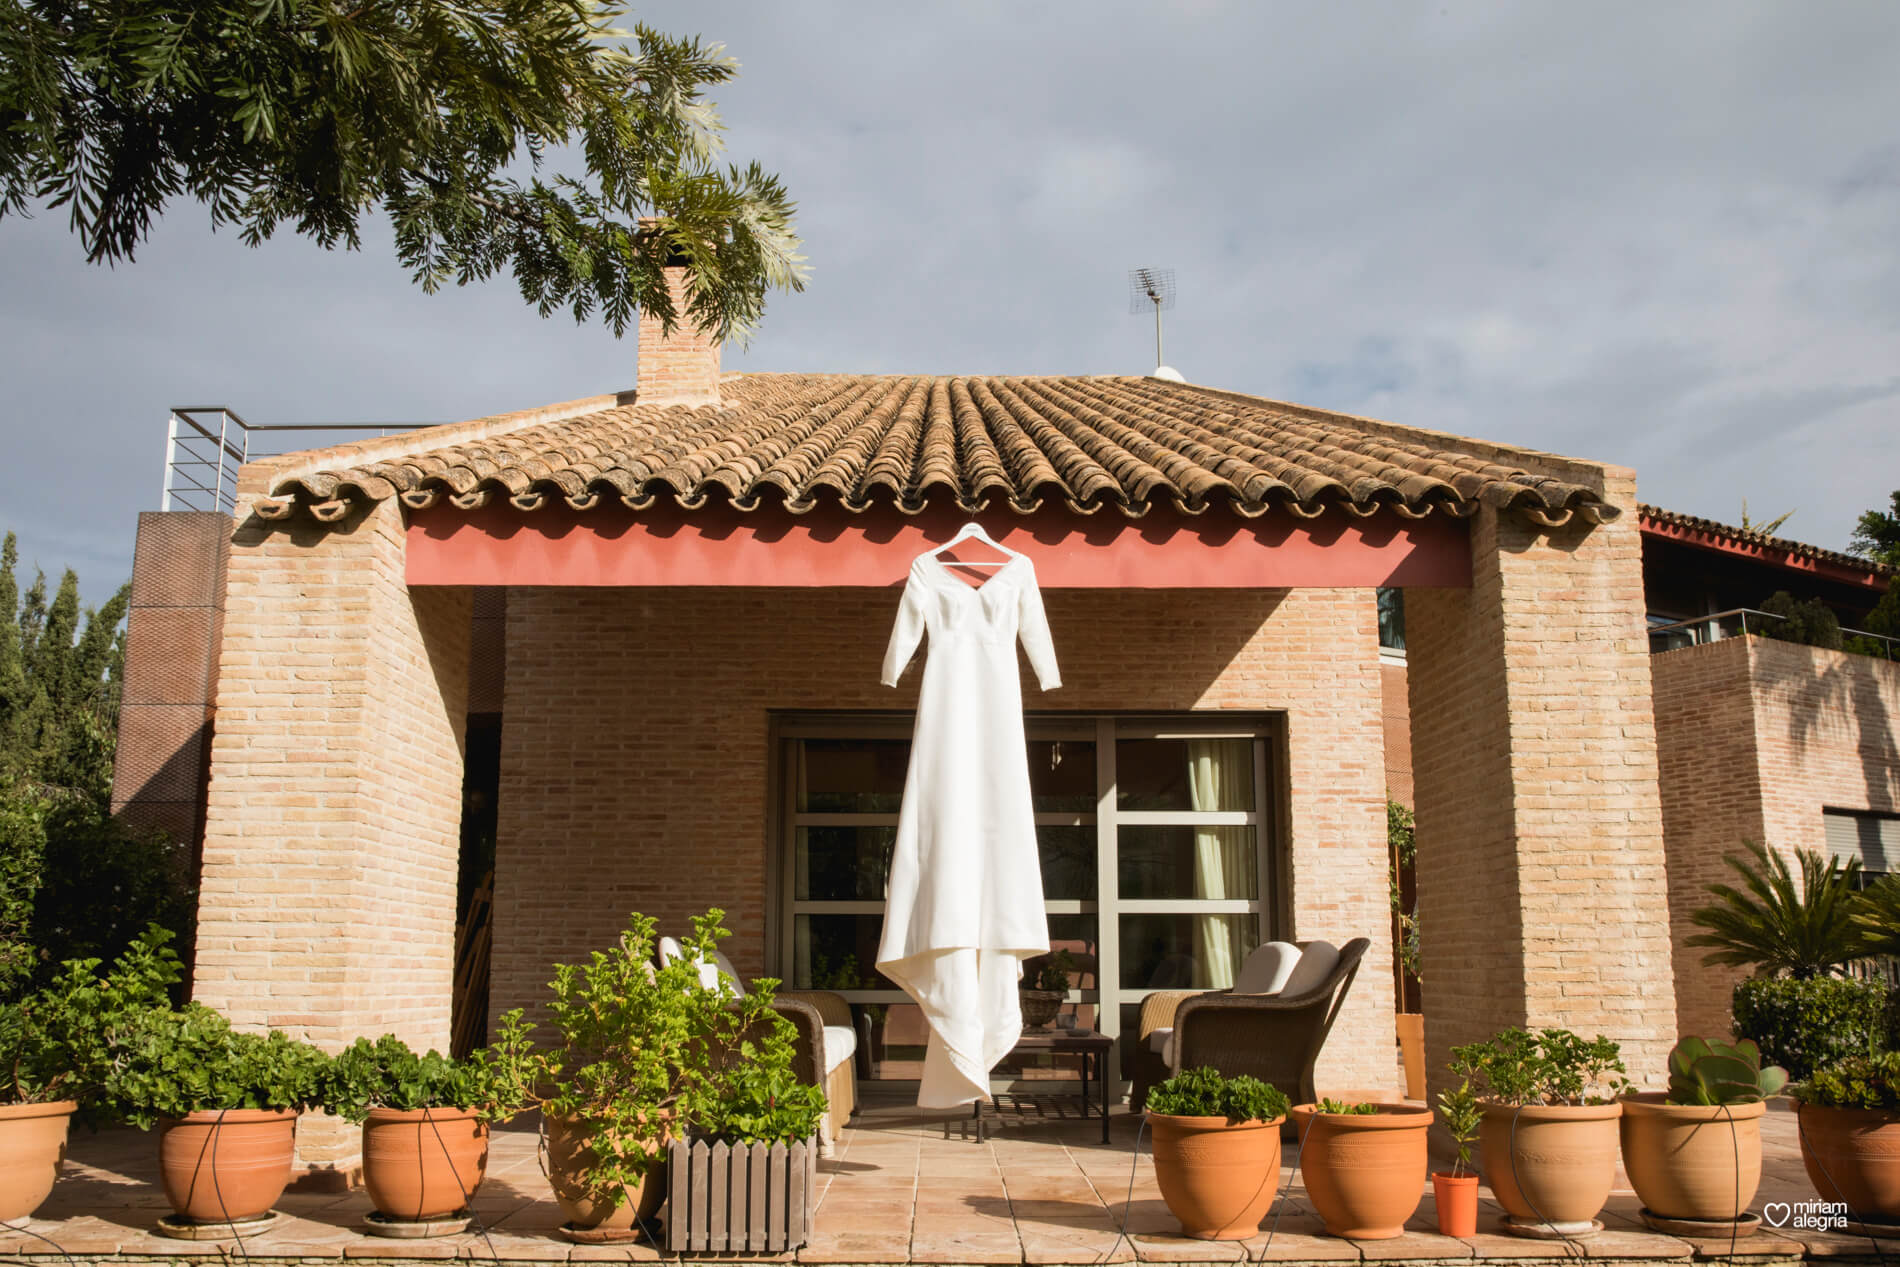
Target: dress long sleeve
907 632
1033 627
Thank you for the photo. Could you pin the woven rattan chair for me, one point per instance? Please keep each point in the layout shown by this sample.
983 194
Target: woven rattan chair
1274 1037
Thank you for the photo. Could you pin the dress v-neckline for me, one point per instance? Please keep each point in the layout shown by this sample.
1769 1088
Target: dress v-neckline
960 583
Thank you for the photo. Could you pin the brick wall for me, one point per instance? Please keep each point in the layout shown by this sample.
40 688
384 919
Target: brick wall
636 766
1541 871
328 899
1711 799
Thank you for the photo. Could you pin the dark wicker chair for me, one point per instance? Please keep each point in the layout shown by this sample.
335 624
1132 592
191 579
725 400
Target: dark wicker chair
1275 1038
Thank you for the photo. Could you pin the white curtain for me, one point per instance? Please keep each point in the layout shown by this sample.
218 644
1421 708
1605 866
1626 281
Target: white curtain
1220 775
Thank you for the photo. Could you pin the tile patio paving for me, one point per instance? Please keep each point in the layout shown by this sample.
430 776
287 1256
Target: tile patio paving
896 1191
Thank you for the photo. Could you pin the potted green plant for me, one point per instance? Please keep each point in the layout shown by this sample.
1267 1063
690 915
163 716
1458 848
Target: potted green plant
425 1129
751 1126
1693 1152
1548 1133
1041 1002
1216 1145
1363 1164
226 1105
1848 1119
53 1059
632 1043
1454 1192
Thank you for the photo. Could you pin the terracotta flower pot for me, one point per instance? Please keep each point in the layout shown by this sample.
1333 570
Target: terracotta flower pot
1364 1172
226 1166
1456 1197
32 1144
1219 1180
1550 1163
422 1164
1853 1155
588 1204
1692 1161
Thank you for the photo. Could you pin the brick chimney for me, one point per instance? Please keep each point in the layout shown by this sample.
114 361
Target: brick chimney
682 369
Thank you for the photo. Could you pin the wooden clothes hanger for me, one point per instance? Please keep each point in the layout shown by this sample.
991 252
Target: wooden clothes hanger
967 531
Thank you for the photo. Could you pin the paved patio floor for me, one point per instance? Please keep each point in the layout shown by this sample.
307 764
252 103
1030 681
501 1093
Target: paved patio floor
897 1191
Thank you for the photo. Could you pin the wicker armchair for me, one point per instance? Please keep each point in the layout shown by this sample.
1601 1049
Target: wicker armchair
1275 1038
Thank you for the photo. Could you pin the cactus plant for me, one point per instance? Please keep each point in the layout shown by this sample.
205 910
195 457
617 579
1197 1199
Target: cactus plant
1710 1071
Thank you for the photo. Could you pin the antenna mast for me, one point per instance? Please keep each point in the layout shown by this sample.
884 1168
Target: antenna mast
1151 287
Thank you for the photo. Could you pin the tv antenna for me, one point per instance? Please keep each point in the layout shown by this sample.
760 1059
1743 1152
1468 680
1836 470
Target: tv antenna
1151 288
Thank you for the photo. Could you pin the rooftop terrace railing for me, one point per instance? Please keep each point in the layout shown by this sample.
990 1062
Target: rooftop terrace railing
206 444
1746 620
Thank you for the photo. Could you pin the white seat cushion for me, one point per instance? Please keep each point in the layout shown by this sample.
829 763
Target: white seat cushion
670 949
841 1043
1267 968
1158 1040
1314 967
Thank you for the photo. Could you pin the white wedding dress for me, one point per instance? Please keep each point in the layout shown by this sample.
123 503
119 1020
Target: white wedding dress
964 907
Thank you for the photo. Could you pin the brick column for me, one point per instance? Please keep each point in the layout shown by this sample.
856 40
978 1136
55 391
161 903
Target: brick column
1542 893
328 900
171 657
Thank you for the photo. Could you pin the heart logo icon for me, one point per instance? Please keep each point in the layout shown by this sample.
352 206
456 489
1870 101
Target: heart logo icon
1777 1212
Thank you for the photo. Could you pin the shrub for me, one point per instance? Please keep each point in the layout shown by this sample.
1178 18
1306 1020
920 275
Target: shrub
166 1064
387 1074
1205 1093
1805 1024
1811 623
1552 1066
1858 1082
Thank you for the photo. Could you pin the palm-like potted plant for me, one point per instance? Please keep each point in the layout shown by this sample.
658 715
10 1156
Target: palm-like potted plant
635 1045
1693 1152
1216 1151
425 1128
226 1105
1778 925
1548 1135
1849 1123
53 1059
1455 1192
1363 1164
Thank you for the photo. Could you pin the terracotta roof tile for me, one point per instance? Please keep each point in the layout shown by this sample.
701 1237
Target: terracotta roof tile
1748 536
798 440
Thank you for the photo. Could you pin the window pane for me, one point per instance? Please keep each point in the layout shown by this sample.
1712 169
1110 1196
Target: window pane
1062 776
1187 861
1068 863
1190 774
837 952
1392 619
843 864
1184 952
852 776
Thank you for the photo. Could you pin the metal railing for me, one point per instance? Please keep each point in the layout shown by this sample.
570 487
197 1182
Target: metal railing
210 442
1730 623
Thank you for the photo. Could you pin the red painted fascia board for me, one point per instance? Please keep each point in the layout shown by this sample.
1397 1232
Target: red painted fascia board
1826 569
719 546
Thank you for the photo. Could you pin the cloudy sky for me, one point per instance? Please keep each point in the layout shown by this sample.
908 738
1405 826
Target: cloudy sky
1661 235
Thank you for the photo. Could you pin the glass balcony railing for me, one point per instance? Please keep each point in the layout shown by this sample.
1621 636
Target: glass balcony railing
1673 634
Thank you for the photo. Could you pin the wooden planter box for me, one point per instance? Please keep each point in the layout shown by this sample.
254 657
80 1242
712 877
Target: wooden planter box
731 1198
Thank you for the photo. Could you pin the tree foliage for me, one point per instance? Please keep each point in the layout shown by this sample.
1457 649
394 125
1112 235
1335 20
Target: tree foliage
312 113
1774 924
1877 534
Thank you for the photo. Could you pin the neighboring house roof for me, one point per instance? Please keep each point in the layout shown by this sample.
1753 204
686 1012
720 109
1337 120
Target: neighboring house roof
1752 544
1081 442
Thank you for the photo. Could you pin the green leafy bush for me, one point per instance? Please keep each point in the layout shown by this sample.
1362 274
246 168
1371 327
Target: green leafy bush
1055 972
167 1063
1552 1066
388 1074
644 1052
1858 1082
1805 1024
1812 623
56 1044
1205 1093
1710 1071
